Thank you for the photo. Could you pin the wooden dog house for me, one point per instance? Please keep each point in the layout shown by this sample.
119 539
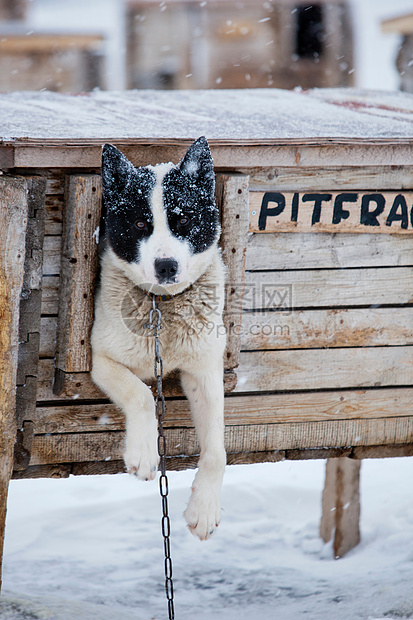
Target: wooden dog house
315 191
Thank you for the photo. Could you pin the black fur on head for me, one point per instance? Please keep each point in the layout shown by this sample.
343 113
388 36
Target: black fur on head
126 195
188 199
189 194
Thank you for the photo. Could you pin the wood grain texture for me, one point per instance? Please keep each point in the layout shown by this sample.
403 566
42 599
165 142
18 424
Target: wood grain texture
315 369
80 385
326 250
78 447
50 295
328 211
63 470
30 303
307 329
48 336
341 505
301 329
54 214
52 255
266 371
328 288
13 224
232 198
337 178
294 153
79 268
251 409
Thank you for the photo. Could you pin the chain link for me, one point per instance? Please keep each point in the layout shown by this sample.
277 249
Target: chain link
155 317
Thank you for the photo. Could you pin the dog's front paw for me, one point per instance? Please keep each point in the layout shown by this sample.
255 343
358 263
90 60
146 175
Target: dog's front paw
141 456
203 513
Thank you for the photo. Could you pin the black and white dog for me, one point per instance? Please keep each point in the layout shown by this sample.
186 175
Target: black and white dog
161 235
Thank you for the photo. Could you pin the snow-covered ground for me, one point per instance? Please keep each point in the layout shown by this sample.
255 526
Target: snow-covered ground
90 548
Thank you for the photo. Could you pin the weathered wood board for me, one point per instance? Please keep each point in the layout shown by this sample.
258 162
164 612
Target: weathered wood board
296 250
79 267
341 505
13 223
381 403
282 290
79 447
328 211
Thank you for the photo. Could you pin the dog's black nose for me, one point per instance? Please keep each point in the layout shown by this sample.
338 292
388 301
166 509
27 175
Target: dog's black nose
165 269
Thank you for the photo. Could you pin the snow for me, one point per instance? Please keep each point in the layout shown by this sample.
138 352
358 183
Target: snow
91 547
249 116
88 548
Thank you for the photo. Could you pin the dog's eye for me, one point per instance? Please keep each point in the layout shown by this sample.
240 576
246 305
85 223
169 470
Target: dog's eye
141 225
184 221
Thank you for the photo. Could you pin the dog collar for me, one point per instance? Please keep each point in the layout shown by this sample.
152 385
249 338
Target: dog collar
159 298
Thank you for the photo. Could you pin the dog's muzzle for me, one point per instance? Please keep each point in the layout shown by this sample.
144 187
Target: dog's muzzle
166 270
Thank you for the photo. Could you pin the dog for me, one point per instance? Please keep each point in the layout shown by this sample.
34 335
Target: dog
161 238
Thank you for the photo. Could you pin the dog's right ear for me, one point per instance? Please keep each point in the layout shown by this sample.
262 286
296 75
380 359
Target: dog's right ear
117 172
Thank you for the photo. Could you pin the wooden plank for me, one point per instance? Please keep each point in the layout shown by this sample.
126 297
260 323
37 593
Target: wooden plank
232 198
87 153
301 329
330 211
30 303
79 268
55 183
326 250
52 255
50 295
63 470
402 24
13 223
339 178
6 157
311 369
295 370
341 505
80 447
48 336
54 215
47 43
307 329
285 290
382 452
60 385
251 409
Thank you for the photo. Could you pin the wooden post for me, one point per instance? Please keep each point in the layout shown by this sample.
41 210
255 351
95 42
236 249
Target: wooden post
13 223
341 505
78 272
232 192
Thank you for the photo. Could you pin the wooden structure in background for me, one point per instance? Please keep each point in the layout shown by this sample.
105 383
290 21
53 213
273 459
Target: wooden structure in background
319 311
403 25
13 9
228 44
58 62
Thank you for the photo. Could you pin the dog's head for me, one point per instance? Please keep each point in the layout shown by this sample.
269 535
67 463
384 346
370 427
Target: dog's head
161 221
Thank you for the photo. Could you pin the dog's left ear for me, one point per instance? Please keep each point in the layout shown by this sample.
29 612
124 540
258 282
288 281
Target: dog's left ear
198 164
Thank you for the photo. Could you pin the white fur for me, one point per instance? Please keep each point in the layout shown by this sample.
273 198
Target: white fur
123 358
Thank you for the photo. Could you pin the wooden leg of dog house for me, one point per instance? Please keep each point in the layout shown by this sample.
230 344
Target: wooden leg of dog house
341 505
13 222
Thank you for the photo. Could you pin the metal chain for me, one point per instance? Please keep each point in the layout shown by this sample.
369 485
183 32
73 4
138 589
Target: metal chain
155 324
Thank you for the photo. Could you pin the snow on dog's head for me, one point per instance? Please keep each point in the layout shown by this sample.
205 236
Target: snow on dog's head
161 221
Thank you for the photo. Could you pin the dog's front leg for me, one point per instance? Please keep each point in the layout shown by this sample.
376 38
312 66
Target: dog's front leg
205 392
135 399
